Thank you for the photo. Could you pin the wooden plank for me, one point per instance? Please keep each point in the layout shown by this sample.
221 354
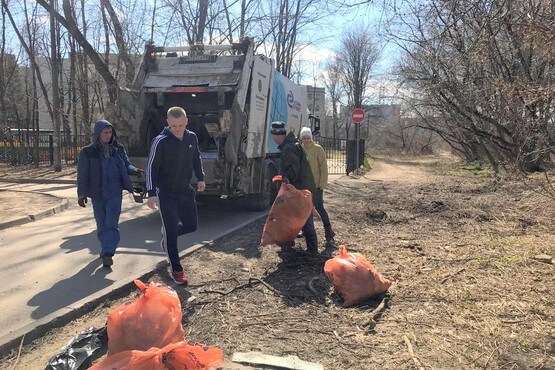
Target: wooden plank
289 362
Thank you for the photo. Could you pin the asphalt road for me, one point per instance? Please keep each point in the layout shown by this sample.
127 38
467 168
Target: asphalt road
51 266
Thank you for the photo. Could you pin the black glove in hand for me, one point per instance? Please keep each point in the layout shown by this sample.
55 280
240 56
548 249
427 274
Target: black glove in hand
82 200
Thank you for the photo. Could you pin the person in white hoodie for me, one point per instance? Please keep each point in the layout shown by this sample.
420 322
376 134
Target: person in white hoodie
319 166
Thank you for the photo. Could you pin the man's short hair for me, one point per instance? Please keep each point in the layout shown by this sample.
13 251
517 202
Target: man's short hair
176 112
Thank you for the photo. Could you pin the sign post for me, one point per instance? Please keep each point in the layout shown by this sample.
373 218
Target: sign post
357 116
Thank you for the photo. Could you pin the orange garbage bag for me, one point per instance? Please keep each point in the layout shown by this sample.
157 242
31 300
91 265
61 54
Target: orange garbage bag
152 320
174 356
354 278
287 216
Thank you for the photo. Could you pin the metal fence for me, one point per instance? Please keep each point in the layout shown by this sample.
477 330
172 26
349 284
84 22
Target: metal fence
27 147
336 154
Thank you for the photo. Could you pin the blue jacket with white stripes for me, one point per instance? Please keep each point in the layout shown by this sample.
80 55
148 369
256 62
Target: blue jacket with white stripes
171 163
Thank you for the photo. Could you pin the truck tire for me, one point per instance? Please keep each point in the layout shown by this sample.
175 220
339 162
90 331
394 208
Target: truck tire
262 201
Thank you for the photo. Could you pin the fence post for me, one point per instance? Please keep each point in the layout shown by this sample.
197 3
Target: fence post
51 147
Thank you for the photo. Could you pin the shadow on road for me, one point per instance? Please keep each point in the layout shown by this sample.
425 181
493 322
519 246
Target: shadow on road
139 245
131 240
65 293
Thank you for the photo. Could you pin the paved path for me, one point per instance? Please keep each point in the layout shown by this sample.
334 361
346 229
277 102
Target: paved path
50 267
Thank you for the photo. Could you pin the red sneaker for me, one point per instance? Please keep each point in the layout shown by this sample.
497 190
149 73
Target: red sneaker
180 278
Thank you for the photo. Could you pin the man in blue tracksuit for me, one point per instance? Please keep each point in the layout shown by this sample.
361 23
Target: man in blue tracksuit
174 155
102 174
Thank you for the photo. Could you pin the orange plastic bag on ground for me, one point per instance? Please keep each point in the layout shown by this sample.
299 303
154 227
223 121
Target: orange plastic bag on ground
174 356
354 278
152 320
287 216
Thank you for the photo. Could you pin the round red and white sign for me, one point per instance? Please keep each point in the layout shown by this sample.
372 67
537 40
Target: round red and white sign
358 115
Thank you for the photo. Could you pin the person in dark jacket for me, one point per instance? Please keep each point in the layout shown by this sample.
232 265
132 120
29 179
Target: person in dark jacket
174 156
102 174
296 169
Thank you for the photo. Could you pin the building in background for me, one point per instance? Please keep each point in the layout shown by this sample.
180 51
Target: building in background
97 97
316 102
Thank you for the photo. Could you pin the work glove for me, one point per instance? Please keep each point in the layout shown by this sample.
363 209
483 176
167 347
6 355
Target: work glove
138 172
82 200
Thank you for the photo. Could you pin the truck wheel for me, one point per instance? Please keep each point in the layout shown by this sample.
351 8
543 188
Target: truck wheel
260 202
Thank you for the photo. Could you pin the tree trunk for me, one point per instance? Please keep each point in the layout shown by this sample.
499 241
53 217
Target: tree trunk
57 165
69 23
120 42
202 16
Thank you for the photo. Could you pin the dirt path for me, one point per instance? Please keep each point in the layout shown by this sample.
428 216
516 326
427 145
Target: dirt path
467 291
398 173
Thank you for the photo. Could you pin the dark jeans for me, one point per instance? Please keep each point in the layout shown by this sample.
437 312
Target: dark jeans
106 214
179 217
318 200
310 235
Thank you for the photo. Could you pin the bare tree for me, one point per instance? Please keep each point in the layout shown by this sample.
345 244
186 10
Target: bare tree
31 54
285 21
355 59
191 17
487 67
54 68
120 41
332 83
71 25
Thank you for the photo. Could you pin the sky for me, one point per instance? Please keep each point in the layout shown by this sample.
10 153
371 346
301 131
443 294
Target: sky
316 56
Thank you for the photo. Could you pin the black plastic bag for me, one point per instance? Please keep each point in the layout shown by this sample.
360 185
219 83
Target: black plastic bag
81 351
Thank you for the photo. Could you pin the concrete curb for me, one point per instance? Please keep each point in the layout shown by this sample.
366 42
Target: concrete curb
39 181
30 218
40 327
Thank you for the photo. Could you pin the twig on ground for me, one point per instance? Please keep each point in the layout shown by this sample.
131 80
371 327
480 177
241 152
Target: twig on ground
241 286
489 358
411 352
371 323
512 321
265 284
229 291
212 282
406 322
451 260
19 352
452 275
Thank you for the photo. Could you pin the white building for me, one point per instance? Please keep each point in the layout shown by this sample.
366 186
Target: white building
316 102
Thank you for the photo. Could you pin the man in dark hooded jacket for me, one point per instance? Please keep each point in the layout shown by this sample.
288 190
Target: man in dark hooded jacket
296 169
102 174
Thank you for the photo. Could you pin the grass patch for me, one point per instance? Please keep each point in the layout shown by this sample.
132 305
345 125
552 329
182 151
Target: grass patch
512 259
515 242
467 169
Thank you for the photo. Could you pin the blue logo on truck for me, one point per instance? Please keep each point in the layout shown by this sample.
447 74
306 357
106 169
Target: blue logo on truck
292 103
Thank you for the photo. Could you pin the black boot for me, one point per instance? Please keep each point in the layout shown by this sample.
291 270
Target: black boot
329 233
311 243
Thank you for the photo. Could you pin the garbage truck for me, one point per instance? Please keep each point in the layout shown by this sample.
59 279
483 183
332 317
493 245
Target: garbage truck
231 96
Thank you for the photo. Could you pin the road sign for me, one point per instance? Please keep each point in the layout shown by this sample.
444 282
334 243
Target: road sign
358 115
